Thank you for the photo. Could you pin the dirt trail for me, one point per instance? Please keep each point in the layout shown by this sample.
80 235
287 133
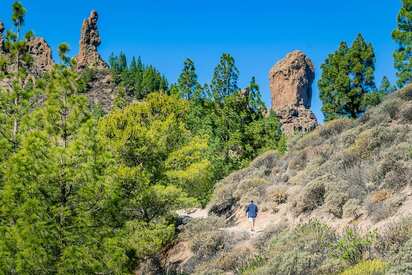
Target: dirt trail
242 224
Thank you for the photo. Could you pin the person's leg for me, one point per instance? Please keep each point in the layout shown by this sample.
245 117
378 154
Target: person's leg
253 224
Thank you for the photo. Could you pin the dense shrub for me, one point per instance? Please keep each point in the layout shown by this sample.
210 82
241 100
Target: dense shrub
335 127
406 112
300 251
312 196
206 245
391 107
406 93
394 237
402 260
351 246
351 209
371 267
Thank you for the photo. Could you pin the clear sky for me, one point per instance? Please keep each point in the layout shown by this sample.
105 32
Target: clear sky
257 33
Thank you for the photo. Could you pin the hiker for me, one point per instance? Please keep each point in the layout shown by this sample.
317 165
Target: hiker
251 212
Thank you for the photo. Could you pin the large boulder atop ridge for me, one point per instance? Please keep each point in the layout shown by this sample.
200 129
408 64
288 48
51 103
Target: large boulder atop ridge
291 81
291 91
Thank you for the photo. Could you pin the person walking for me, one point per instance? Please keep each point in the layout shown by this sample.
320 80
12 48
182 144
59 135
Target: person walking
251 212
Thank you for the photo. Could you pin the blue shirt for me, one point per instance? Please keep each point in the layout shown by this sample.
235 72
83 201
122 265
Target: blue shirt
252 210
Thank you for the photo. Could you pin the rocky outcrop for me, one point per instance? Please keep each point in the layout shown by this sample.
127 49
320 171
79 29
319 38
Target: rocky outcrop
291 81
101 90
1 36
297 119
41 54
88 56
291 90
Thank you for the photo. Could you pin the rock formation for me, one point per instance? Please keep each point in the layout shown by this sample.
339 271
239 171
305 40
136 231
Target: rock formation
291 90
42 56
1 36
89 41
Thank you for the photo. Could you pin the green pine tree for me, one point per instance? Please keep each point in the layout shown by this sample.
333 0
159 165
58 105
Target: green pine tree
386 87
225 78
403 36
187 83
347 77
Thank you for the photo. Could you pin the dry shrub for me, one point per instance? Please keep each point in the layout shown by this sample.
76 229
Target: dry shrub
298 251
406 93
309 139
206 245
335 127
267 160
280 196
334 203
248 185
298 160
406 112
381 205
197 226
312 196
401 261
391 107
396 174
370 140
236 259
352 209
394 236
379 196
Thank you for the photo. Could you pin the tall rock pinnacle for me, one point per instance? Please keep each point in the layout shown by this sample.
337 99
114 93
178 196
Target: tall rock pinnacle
1 36
89 41
291 81
291 90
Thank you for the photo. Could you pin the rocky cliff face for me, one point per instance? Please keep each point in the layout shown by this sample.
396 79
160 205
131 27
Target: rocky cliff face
89 41
291 90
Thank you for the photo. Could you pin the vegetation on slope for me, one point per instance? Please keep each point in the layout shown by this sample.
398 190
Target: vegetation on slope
339 199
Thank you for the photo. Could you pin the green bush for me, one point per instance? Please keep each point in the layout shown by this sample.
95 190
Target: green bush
300 251
371 267
351 246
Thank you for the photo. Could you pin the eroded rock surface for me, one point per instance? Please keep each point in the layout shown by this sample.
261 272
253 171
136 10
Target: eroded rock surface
291 81
89 42
291 91
1 36
297 119
41 54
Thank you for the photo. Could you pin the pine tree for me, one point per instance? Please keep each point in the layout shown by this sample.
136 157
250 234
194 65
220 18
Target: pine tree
18 90
225 78
347 77
255 98
386 87
403 36
187 83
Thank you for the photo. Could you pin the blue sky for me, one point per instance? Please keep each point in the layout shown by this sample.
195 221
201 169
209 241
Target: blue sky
257 33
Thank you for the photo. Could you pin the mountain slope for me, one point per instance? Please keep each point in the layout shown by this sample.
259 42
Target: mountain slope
318 203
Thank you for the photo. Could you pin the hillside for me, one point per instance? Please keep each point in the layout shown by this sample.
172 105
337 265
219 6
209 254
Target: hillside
341 195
